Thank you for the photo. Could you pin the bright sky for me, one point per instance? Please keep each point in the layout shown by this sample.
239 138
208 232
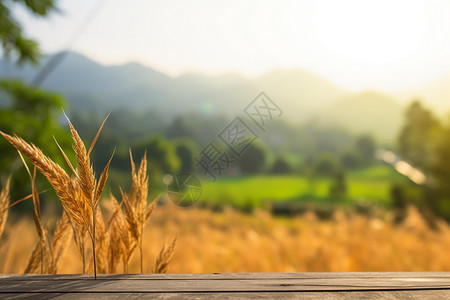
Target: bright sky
390 45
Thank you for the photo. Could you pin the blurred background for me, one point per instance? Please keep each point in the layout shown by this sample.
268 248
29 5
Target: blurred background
359 143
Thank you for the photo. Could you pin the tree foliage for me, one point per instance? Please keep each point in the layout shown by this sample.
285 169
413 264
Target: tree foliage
33 114
162 158
366 147
416 138
425 143
338 186
13 40
253 159
26 111
186 150
439 160
281 166
326 164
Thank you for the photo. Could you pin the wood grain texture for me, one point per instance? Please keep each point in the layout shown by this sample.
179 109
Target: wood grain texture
413 295
424 285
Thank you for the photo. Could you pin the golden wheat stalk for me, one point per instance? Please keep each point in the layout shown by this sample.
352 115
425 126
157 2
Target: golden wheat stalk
101 245
37 218
36 258
58 178
128 231
79 235
86 182
116 209
86 178
91 189
79 196
4 205
164 257
136 208
61 240
37 211
115 250
131 217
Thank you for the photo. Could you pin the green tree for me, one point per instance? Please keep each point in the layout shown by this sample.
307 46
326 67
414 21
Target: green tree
186 150
325 164
281 166
178 128
425 143
351 159
14 42
416 137
162 158
33 115
365 145
439 168
253 159
28 112
399 202
338 187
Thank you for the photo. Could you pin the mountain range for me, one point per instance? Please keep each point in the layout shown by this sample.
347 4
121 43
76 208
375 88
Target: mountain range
90 86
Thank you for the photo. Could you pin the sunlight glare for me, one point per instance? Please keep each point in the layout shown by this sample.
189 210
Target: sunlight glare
370 33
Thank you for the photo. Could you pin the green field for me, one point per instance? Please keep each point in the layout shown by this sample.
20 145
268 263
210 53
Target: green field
370 185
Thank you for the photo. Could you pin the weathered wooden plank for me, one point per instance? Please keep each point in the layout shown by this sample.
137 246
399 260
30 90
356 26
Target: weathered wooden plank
412 295
252 283
206 276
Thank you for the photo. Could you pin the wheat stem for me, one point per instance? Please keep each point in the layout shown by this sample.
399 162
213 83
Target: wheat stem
93 244
93 241
42 257
83 256
140 250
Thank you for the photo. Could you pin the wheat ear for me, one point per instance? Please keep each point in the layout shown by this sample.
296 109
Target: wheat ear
164 257
137 210
57 177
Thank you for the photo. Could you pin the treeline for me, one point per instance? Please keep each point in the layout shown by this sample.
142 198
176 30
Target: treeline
308 149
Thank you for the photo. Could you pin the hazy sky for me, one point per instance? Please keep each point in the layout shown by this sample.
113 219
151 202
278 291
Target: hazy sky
390 45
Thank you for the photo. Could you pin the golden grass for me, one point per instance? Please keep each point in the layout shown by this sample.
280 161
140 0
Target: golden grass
234 242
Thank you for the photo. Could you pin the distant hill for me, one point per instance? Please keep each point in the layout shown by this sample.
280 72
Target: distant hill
435 94
90 86
368 112
87 84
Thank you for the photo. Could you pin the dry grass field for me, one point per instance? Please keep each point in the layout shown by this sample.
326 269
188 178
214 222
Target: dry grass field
230 241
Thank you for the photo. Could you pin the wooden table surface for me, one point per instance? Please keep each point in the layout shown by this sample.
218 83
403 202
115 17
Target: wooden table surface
413 285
